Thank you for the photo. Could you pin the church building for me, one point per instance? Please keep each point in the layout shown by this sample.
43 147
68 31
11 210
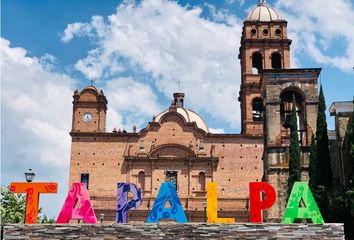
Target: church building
176 144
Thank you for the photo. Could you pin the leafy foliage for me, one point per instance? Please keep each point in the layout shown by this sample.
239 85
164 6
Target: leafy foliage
294 150
334 206
45 220
324 171
313 163
349 146
13 206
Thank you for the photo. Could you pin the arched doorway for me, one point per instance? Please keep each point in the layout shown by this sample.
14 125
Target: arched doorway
286 105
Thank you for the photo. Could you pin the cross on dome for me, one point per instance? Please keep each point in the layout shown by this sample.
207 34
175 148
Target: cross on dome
262 2
179 84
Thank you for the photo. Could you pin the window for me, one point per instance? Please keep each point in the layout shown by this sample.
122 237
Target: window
276 60
85 179
257 110
141 146
141 180
179 103
277 32
253 31
201 181
286 107
285 112
201 145
171 176
257 62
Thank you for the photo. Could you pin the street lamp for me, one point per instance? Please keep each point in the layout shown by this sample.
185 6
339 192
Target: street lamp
29 175
101 217
205 206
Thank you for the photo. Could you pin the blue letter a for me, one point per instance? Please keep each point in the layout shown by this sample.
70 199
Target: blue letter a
167 192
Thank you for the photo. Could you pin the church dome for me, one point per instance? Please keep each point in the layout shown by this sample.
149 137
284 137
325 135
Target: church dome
91 88
187 114
263 12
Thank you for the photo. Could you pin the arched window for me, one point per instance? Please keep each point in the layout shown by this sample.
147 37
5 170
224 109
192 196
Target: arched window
257 110
257 62
286 108
141 180
201 180
276 60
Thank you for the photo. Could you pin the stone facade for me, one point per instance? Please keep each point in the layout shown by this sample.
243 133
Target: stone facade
175 231
279 87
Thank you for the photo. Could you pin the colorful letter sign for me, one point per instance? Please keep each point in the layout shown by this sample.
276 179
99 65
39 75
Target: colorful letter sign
212 205
302 191
123 206
78 193
33 190
256 202
158 211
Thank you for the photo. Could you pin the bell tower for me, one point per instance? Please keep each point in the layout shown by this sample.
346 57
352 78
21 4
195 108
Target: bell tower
264 45
89 110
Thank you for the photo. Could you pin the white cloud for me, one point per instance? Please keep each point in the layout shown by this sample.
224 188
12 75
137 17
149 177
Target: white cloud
77 29
37 98
216 130
170 43
130 102
221 15
318 27
241 2
35 120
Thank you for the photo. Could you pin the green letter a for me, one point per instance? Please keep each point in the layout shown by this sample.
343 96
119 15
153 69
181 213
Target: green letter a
301 191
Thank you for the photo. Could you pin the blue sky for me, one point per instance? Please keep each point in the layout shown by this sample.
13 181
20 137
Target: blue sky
137 52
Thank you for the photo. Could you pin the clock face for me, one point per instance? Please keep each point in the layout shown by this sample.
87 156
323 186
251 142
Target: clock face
87 117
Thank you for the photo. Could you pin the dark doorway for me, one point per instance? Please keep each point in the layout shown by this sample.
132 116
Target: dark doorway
257 110
276 60
257 61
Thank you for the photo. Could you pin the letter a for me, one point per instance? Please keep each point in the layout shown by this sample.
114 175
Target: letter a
301 191
123 206
212 205
167 192
77 193
256 203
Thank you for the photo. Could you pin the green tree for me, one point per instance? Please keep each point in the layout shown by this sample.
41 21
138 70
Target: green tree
13 206
45 220
294 151
349 147
324 171
313 163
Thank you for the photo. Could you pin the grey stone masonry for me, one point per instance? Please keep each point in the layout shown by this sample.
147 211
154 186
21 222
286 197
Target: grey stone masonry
174 231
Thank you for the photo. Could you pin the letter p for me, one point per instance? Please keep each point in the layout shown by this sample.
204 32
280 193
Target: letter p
256 202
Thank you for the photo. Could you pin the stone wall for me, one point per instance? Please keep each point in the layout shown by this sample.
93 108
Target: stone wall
175 231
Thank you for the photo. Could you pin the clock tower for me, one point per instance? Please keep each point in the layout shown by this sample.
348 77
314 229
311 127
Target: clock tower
89 110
